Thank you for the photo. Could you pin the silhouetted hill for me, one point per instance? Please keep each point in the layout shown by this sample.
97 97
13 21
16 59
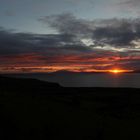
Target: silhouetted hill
32 109
25 84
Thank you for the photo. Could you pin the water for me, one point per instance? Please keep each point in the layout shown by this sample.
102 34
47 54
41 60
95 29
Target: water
89 80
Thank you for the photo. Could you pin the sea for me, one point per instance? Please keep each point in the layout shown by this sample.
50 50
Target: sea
131 80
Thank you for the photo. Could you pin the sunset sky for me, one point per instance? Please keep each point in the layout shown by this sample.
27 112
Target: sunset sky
73 35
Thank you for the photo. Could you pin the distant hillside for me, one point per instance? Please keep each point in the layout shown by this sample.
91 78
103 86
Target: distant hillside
26 85
10 81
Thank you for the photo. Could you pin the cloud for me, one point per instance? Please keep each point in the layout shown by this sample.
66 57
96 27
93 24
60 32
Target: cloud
114 32
118 35
131 6
9 13
79 45
68 24
132 3
19 43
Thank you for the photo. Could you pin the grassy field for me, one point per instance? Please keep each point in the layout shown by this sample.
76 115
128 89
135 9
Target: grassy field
31 109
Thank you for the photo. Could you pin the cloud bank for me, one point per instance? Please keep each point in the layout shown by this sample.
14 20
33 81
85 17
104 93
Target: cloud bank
79 45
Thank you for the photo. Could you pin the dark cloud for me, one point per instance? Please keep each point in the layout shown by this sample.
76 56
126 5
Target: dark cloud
115 32
68 24
19 43
121 35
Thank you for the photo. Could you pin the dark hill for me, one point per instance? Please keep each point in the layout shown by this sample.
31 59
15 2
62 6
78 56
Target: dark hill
7 81
32 109
24 84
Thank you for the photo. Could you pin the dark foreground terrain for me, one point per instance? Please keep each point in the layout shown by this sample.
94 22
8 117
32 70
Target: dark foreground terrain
35 110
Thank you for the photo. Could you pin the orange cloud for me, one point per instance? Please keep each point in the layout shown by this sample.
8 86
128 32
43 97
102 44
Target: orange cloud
72 62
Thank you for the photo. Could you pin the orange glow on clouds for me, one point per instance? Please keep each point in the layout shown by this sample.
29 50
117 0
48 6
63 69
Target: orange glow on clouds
50 69
32 63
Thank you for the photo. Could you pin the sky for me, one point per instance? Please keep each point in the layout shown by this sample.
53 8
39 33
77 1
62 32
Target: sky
72 35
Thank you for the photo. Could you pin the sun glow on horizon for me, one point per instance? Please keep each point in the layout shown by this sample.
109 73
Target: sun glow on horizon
51 69
116 71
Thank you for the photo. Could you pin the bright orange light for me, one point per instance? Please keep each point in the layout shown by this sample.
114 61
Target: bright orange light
115 71
119 71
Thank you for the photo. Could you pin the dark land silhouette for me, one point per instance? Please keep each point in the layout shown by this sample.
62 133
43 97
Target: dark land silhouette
33 109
